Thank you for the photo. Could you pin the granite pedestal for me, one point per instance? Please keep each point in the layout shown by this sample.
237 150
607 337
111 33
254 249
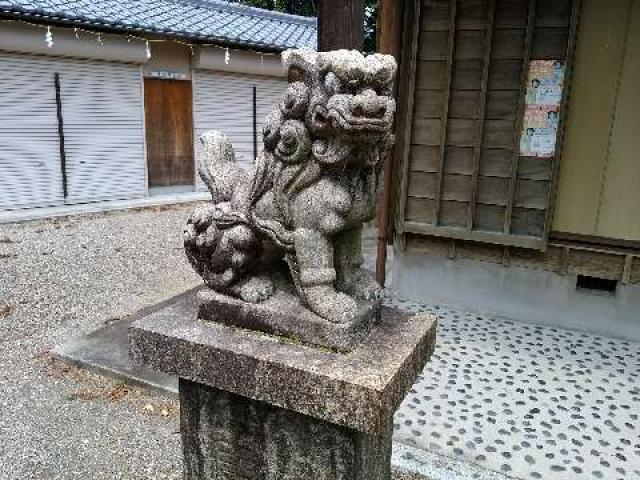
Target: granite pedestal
284 314
257 406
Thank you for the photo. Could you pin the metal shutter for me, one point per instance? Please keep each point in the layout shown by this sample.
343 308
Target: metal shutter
30 172
104 132
103 127
224 101
270 92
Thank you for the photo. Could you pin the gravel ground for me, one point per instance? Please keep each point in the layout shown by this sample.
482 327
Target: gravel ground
63 278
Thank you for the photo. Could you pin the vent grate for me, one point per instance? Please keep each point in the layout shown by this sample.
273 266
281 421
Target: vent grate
585 282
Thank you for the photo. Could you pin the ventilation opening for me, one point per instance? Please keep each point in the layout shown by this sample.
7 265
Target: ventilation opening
596 284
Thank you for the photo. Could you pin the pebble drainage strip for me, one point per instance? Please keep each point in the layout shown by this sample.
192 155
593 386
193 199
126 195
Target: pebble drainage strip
524 400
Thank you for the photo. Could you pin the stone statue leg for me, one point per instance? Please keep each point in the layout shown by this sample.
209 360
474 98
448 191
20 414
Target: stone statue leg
351 278
315 256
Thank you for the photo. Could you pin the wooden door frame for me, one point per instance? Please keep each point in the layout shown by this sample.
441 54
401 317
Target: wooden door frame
194 140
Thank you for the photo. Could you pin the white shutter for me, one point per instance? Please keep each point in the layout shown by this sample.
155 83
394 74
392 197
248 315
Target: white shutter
270 92
102 109
224 101
30 170
104 135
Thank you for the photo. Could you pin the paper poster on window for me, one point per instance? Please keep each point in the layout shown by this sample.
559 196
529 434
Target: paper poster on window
545 83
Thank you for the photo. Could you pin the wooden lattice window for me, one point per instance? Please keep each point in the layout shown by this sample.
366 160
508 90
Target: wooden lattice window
463 175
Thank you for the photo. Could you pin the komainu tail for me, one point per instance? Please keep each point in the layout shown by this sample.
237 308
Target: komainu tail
218 168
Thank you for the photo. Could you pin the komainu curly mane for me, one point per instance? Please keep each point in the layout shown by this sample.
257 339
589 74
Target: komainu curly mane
313 186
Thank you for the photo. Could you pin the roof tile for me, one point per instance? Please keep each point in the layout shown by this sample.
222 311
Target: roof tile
218 21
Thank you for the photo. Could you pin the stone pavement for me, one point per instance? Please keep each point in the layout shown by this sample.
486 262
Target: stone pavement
498 400
527 401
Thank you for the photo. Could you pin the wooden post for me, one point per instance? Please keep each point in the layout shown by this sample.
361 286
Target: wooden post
340 24
390 19
515 159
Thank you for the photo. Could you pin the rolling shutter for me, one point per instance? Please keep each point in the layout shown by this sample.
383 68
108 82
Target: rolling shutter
104 130
224 101
269 93
30 170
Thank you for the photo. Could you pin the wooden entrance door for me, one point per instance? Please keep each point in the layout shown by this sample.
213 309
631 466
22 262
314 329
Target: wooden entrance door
169 124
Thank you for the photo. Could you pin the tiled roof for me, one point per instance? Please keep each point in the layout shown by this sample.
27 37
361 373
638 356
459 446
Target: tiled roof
215 21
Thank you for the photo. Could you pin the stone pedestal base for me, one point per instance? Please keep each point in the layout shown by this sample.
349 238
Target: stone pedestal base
285 315
261 407
229 437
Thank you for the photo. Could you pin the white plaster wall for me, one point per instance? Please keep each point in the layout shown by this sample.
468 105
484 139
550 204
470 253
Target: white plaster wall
240 61
22 38
169 56
519 293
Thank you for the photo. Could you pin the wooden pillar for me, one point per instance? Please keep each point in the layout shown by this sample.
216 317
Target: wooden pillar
390 22
340 24
390 16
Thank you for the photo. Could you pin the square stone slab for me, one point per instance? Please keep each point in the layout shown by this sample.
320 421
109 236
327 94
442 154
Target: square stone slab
360 389
284 314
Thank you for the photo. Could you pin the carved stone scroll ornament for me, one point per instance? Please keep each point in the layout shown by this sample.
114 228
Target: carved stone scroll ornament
294 223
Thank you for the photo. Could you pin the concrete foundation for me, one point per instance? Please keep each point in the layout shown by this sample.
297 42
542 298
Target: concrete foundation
519 293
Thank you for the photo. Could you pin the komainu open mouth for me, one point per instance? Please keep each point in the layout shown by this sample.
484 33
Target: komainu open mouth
345 121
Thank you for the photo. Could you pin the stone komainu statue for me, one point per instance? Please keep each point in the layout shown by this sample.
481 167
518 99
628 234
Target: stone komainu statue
313 186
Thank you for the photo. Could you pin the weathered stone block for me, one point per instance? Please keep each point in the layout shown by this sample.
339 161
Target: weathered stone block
226 436
284 314
259 406
360 389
